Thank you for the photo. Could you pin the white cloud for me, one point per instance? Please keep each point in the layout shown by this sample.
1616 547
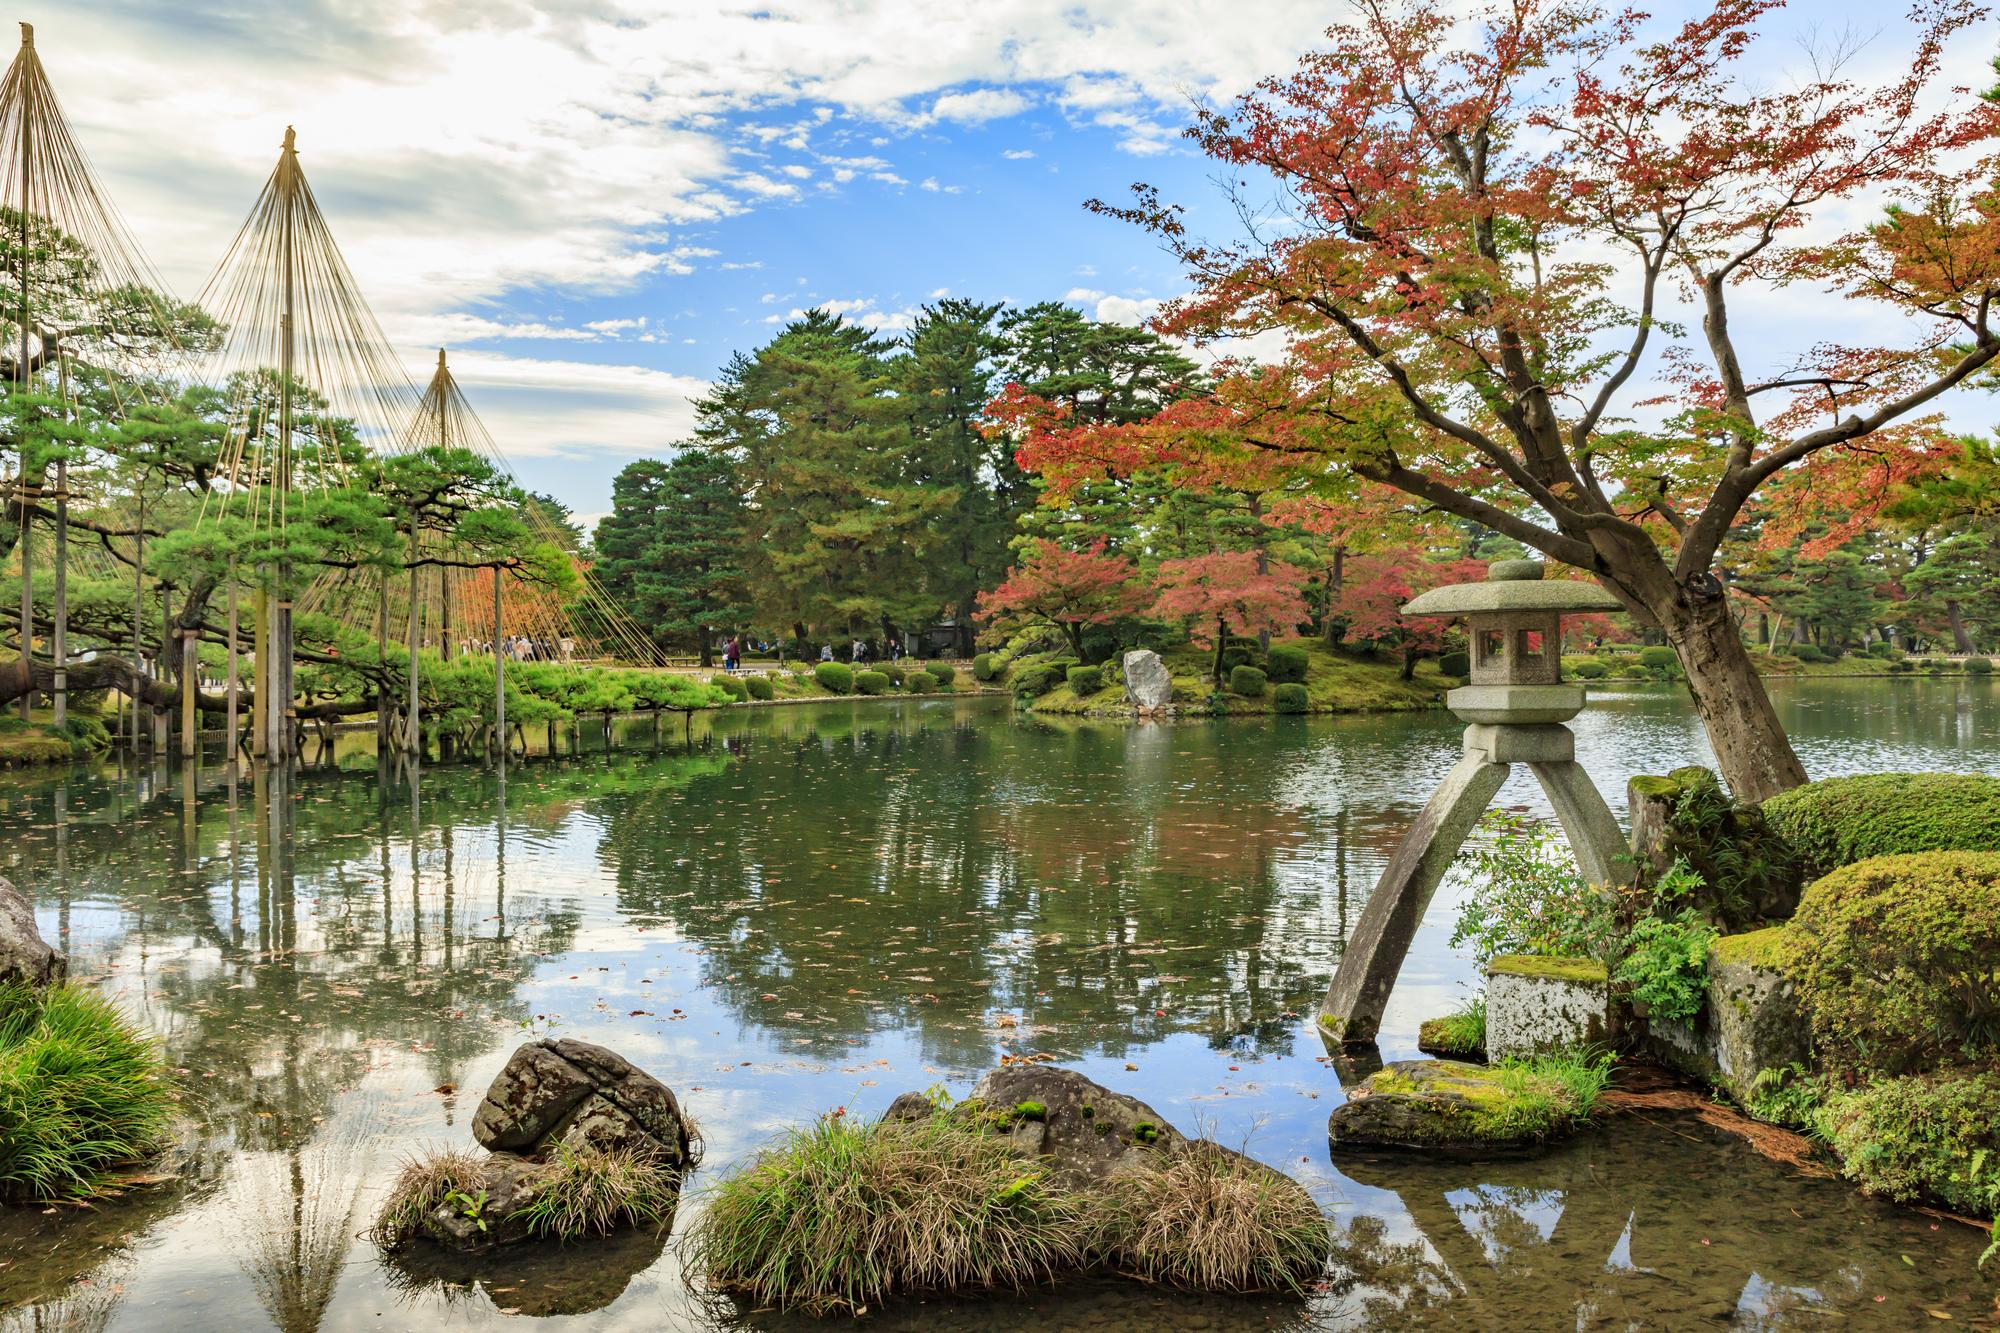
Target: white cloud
978 106
545 408
1018 154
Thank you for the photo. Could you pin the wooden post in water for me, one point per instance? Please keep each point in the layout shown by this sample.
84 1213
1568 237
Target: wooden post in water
21 383
138 610
190 692
260 649
499 674
413 735
231 725
59 647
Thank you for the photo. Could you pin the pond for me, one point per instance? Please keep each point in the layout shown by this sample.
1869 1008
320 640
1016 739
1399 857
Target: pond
808 908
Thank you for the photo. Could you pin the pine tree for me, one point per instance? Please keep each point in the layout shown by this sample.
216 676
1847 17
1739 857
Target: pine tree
671 550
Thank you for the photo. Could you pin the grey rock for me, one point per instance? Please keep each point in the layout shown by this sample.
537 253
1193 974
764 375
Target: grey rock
24 955
510 1183
1088 1130
1752 1021
571 1092
1147 682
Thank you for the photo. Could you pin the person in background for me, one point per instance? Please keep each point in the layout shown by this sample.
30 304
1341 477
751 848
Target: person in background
732 653
826 652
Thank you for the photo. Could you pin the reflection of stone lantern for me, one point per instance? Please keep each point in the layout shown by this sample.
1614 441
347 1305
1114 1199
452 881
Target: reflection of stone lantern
1514 707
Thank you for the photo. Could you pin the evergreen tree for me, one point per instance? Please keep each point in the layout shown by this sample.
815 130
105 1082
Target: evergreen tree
670 552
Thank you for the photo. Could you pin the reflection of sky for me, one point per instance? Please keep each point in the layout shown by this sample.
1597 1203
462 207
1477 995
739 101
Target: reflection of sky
694 910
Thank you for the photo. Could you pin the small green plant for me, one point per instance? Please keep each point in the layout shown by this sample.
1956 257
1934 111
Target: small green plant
1456 664
734 686
1787 1095
1461 1032
1547 1092
1978 666
1660 661
1922 1136
1031 1111
424 1185
1590 669
1664 960
1145 1131
471 1207
1528 897
589 1191
1290 698
1807 652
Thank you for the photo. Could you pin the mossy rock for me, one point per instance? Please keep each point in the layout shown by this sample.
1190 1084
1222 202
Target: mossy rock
1445 1037
1452 1106
1838 821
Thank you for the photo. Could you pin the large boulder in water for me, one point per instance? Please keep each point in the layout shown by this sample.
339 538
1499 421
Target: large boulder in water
564 1091
24 955
1086 1130
1147 683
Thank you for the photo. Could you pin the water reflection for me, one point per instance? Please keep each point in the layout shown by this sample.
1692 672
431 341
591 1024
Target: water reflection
803 908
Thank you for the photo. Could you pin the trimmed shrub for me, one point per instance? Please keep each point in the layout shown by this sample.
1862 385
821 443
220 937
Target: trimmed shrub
1931 1136
1894 961
1901 668
1035 681
1291 698
81 1091
871 682
985 667
1978 666
844 1215
1881 648
1456 664
1658 658
1085 680
1838 821
921 682
734 686
943 672
1808 652
895 671
760 687
1247 681
1240 651
835 676
1590 669
1286 664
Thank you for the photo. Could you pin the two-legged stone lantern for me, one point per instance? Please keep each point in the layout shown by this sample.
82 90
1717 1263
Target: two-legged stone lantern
1515 706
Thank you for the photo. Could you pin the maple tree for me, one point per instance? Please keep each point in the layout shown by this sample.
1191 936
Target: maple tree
1370 602
1235 592
1065 590
1486 227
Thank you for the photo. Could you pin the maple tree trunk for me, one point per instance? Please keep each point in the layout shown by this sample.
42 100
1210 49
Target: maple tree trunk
1751 748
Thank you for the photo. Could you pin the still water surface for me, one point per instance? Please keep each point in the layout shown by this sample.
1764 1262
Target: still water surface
811 908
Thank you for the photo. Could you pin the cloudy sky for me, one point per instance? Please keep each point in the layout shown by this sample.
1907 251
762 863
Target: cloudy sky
594 203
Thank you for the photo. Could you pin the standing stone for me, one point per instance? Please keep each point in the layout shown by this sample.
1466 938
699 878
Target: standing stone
1147 683
24 955
1545 1006
571 1092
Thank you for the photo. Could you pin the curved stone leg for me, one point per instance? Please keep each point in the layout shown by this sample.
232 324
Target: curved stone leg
1594 835
1354 1002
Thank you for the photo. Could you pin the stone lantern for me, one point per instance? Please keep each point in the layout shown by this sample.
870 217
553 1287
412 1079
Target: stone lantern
1514 707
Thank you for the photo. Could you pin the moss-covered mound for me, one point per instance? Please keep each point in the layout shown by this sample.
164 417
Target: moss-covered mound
1449 1105
476 1201
81 1091
1839 821
1459 1035
1923 1137
1897 960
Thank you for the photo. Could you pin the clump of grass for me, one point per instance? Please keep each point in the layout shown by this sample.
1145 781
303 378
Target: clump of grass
421 1188
588 1191
842 1216
1544 1093
1211 1221
1460 1032
81 1090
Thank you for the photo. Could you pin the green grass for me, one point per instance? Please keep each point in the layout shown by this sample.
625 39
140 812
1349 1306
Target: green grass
1547 1092
590 1192
81 1091
1211 1221
840 1217
1460 1032
1336 682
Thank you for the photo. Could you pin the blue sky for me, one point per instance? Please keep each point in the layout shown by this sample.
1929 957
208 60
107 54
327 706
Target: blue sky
594 203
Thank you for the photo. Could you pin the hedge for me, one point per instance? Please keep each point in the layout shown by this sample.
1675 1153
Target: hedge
733 684
1979 666
943 672
1807 652
1933 1136
1838 821
985 667
1893 958
1085 680
1291 698
921 682
1247 681
1657 657
895 672
759 686
1286 664
1032 682
835 676
871 682
1456 664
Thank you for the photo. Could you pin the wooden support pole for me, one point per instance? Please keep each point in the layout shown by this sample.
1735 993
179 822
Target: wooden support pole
260 694
138 612
59 646
499 674
230 726
413 735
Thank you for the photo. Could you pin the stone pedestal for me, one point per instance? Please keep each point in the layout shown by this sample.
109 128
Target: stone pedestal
1544 1006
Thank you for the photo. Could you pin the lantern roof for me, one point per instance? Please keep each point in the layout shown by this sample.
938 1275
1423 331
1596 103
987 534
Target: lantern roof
1513 585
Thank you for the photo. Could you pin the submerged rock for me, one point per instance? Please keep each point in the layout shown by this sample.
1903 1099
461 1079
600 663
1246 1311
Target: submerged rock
571 1092
24 955
1452 1106
1147 682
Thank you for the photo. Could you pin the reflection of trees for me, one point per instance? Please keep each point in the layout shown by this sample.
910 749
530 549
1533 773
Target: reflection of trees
296 1210
1621 1229
914 869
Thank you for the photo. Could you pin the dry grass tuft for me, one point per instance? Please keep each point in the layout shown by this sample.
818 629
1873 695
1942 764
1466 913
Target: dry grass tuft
841 1216
590 1192
1211 1221
421 1187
